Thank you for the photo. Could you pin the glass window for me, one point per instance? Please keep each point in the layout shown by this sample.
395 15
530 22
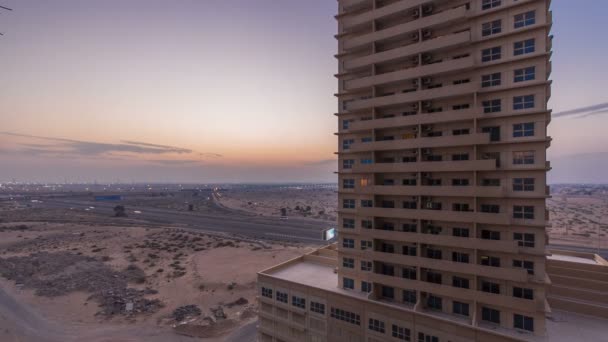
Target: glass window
366 266
348 223
491 80
490 234
523 322
490 28
348 204
523 157
349 284
490 315
282 297
298 302
266 292
523 212
460 308
525 19
366 286
523 184
422 337
346 143
366 245
459 282
524 293
410 227
388 292
492 106
348 243
460 157
490 287
348 183
525 74
491 54
348 163
490 261
489 4
409 296
523 102
523 130
527 265
409 273
524 47
345 316
460 232
460 257
434 302
346 124
348 262
317 307
376 325
401 333
524 239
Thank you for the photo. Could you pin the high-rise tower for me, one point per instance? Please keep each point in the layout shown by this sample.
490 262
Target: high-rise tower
443 131
442 186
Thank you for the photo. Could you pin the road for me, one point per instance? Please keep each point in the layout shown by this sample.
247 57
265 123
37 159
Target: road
217 218
214 218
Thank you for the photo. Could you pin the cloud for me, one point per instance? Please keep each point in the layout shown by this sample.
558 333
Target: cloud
70 148
210 155
174 162
587 111
594 113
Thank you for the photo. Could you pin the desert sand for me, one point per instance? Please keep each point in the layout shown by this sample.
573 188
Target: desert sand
211 277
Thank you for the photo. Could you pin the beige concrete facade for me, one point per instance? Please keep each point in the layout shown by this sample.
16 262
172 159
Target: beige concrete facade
442 172
299 301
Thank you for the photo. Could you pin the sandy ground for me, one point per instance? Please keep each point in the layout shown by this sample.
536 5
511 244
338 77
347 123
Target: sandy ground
579 216
313 202
181 267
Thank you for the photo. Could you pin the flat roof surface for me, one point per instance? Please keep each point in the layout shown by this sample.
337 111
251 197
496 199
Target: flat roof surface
568 327
569 258
315 275
561 327
308 273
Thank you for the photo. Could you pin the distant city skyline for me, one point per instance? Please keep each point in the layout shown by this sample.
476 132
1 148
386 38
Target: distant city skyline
224 91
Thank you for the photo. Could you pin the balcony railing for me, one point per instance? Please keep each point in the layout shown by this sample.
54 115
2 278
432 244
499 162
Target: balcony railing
424 142
449 40
414 96
410 73
423 22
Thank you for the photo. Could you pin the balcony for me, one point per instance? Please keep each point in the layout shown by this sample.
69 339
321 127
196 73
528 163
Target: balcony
363 18
441 240
411 120
446 41
353 3
464 294
425 142
439 215
422 190
411 73
424 22
415 96
454 166
503 273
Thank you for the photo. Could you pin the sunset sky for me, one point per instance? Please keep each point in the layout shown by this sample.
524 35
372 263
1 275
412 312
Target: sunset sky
225 91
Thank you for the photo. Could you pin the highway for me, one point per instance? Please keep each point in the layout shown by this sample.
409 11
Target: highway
213 217
217 218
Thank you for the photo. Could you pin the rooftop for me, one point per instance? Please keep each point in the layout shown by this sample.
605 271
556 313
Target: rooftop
575 259
317 270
